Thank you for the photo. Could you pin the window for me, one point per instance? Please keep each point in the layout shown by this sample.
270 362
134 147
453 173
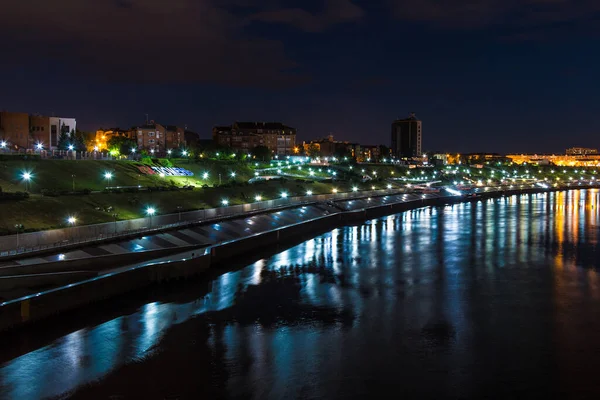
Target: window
139 132
151 134
151 141
42 129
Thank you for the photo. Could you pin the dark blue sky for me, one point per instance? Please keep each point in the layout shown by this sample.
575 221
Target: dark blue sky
491 75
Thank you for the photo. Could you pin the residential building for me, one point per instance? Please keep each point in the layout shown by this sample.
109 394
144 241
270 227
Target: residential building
174 137
334 148
277 137
14 129
370 152
407 137
581 151
151 136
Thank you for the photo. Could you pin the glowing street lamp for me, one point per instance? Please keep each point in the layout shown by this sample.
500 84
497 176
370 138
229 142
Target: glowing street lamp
389 186
233 174
169 151
309 192
355 189
284 195
27 177
184 153
258 198
39 146
72 220
71 147
334 190
225 202
205 175
150 211
3 144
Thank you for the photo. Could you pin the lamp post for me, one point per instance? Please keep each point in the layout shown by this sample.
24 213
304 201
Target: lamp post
26 177
150 211
115 215
72 221
18 227
179 212
108 176
73 177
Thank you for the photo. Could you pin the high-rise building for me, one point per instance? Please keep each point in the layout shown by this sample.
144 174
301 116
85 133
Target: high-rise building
407 137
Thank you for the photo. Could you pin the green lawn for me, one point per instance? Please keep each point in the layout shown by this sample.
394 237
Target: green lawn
44 212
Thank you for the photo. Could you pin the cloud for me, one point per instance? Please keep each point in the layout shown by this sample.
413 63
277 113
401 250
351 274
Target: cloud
146 41
479 14
334 12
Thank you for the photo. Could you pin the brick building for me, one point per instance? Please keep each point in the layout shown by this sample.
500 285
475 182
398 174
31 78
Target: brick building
245 136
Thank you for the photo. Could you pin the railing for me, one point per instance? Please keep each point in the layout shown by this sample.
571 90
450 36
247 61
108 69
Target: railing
74 236
23 243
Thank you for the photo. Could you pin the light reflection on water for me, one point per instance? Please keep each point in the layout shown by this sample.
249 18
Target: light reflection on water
464 264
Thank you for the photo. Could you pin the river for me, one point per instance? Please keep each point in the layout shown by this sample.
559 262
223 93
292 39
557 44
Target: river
491 299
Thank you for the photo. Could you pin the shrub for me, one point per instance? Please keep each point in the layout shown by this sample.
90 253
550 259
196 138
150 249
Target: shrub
50 192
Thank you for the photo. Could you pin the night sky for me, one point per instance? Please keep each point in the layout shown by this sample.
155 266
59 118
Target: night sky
488 75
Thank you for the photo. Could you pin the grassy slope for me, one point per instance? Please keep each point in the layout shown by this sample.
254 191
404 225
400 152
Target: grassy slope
40 212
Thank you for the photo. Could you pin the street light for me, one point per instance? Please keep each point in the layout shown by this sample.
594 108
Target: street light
205 175
284 195
39 146
73 178
26 177
258 198
309 192
233 174
150 211
108 176
225 202
72 220
355 189
71 147
3 144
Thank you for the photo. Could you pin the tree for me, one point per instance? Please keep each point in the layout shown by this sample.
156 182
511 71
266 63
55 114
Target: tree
120 145
261 152
313 150
64 139
79 140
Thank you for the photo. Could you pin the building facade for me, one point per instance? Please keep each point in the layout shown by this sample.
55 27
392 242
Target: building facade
327 147
174 137
407 137
244 136
580 151
151 136
14 129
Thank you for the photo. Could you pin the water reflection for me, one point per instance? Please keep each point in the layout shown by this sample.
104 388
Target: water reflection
445 293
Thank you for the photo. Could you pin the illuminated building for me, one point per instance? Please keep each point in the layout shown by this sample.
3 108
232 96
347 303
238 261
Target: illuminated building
580 151
277 137
553 159
25 131
407 137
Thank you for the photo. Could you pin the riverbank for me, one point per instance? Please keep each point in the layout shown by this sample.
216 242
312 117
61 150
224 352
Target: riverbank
45 304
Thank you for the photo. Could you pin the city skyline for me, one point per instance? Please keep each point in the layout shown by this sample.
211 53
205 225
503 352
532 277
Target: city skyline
510 78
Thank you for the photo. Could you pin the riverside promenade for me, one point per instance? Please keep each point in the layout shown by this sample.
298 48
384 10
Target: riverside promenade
38 287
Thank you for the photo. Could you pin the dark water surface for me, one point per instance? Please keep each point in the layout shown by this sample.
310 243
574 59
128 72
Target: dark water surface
496 299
